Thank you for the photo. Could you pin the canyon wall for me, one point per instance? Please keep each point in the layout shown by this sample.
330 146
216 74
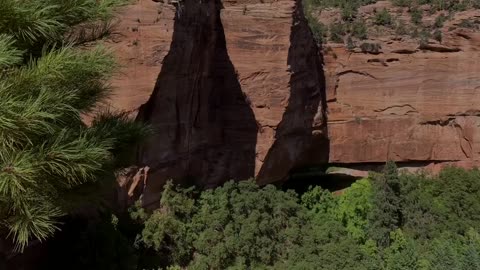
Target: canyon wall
236 89
140 39
236 97
410 102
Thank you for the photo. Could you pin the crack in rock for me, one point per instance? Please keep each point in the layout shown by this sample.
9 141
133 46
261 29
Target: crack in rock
463 35
404 51
467 113
351 71
398 106
439 122
437 48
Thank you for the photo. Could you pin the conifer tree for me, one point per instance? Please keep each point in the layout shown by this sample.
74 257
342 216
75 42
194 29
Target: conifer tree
386 214
47 154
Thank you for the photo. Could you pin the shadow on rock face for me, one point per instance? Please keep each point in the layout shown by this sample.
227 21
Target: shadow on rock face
301 137
204 127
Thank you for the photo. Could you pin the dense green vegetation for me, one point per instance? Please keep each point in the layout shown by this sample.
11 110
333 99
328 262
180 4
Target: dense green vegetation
390 220
50 159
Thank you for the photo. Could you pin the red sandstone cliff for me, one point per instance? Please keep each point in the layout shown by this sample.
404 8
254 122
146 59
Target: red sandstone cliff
237 94
409 103
140 41
236 89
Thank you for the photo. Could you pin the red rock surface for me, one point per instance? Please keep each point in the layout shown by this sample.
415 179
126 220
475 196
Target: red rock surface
236 96
279 71
238 91
408 103
140 40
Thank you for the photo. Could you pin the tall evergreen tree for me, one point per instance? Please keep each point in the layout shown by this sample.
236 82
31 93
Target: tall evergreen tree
386 214
47 154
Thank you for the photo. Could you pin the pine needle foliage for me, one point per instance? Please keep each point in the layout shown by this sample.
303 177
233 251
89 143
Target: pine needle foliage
9 55
46 151
34 22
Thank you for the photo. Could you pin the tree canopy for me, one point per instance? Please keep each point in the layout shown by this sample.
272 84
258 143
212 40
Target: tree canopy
391 220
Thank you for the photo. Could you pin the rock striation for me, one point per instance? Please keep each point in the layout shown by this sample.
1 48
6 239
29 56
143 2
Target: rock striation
413 102
140 39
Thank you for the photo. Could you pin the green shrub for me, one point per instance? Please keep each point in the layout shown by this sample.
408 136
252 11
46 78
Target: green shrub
350 44
383 18
459 6
337 32
373 48
455 5
416 16
414 33
319 30
401 28
403 3
437 35
349 11
424 35
359 29
440 20
466 23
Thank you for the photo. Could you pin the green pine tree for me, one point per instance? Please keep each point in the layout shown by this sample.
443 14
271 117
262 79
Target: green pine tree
386 214
47 154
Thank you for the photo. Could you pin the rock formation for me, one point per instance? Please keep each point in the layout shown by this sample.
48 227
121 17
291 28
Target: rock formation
412 102
245 92
237 94
140 40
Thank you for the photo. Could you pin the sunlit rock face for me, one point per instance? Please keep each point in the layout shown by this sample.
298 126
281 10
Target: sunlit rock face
409 103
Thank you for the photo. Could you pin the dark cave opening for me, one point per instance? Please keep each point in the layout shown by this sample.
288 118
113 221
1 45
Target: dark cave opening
338 176
301 180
